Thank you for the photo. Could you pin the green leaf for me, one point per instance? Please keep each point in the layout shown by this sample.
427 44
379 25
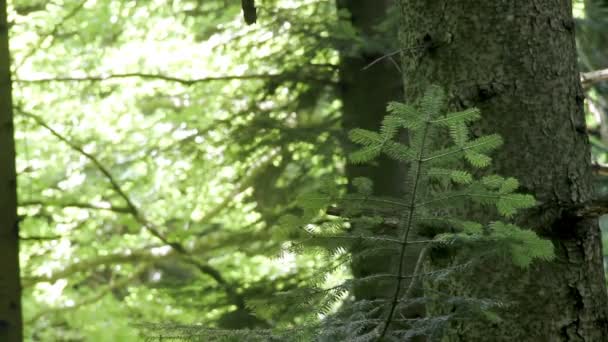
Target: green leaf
398 151
525 245
456 176
493 181
459 133
477 160
509 204
432 102
510 184
469 227
466 116
484 144
365 137
389 127
365 154
461 177
405 115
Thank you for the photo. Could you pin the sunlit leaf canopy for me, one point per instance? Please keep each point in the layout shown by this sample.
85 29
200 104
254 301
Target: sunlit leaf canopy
161 142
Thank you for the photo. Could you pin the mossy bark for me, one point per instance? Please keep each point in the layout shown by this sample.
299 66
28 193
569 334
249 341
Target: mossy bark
516 61
10 288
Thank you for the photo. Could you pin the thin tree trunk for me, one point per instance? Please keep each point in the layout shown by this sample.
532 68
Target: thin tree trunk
365 89
10 288
516 61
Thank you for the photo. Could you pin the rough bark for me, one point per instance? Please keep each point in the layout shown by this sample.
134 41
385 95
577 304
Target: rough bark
516 61
10 288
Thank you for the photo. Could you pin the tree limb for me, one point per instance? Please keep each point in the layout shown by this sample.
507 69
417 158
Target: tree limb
114 184
162 77
592 77
39 238
184 81
83 205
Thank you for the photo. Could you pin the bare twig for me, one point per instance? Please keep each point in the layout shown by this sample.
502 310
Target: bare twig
592 77
379 59
600 169
162 77
416 273
185 81
39 238
83 205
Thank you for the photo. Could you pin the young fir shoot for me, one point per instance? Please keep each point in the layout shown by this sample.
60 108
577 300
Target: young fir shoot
425 204
440 181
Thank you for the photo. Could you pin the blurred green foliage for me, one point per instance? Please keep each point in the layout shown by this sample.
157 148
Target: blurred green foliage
159 143
142 125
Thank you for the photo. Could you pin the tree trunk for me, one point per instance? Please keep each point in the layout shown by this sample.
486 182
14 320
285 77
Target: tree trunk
516 61
10 287
365 91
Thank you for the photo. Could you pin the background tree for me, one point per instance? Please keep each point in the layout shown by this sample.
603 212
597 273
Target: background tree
517 63
370 78
10 286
